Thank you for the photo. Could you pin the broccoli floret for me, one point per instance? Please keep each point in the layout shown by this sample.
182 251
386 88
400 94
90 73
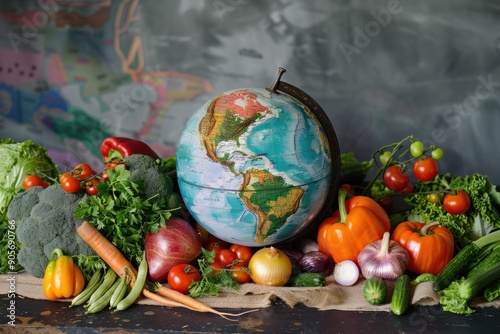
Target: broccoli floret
144 168
20 207
45 220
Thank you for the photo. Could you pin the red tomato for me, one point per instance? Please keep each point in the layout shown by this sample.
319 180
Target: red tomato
69 183
425 169
243 253
32 181
394 179
216 267
83 171
239 272
213 246
225 256
91 187
213 238
408 189
386 203
181 276
456 203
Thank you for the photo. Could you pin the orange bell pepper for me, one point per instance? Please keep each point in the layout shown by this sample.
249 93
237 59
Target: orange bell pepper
430 246
358 222
62 278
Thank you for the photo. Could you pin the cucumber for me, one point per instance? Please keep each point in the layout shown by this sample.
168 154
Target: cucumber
307 280
492 258
375 290
456 266
401 295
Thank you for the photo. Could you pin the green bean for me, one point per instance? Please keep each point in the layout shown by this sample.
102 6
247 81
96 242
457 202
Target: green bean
138 286
108 281
120 291
92 285
103 301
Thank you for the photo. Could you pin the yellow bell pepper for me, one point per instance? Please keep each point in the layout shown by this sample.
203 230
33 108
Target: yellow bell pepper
62 278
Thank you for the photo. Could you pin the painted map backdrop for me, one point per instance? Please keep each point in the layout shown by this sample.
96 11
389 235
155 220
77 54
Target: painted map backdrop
75 72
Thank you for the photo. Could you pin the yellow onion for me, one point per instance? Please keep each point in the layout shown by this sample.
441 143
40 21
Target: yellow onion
270 266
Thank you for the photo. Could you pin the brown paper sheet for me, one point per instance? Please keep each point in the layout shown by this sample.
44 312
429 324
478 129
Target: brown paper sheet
332 296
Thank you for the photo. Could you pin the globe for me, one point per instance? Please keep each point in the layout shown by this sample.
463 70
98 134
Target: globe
254 166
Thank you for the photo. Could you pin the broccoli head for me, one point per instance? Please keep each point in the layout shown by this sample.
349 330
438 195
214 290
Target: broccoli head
45 220
144 168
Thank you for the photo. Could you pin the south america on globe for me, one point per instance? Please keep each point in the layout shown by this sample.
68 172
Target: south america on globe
254 166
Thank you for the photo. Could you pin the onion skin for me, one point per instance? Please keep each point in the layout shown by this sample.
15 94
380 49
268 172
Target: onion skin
314 262
176 243
270 266
383 258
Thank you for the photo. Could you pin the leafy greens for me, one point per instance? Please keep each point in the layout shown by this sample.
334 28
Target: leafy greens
482 217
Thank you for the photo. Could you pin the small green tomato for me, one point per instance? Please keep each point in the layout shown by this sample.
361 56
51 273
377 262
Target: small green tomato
437 153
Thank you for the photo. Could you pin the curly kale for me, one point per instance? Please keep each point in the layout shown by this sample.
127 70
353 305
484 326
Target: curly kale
482 217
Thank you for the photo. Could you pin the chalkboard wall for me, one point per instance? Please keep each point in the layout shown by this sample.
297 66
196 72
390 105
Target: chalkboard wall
74 72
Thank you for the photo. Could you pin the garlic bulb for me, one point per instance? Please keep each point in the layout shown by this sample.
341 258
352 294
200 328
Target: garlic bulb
383 258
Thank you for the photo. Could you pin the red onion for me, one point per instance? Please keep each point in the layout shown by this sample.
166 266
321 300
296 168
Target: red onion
383 258
174 244
314 262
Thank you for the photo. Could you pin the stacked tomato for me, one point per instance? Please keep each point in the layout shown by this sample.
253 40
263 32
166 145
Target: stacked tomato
82 176
233 258
424 167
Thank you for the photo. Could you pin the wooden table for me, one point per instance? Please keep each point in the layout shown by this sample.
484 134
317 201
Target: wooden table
43 316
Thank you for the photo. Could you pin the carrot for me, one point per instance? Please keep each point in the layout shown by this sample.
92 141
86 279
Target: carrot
193 303
162 300
105 249
115 259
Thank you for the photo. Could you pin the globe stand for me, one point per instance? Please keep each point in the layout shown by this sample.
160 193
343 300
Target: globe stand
323 119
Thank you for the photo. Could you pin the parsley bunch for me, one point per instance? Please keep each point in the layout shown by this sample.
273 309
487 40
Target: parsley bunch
211 281
123 214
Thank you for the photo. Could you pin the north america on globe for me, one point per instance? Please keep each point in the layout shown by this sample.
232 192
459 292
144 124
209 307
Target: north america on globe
227 119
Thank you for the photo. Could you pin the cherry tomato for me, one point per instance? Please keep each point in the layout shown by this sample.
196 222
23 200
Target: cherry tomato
181 276
425 169
225 256
386 203
69 183
239 272
32 181
394 179
417 149
222 243
91 187
456 203
45 184
216 267
243 253
433 198
83 171
385 157
408 189
437 153
213 246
